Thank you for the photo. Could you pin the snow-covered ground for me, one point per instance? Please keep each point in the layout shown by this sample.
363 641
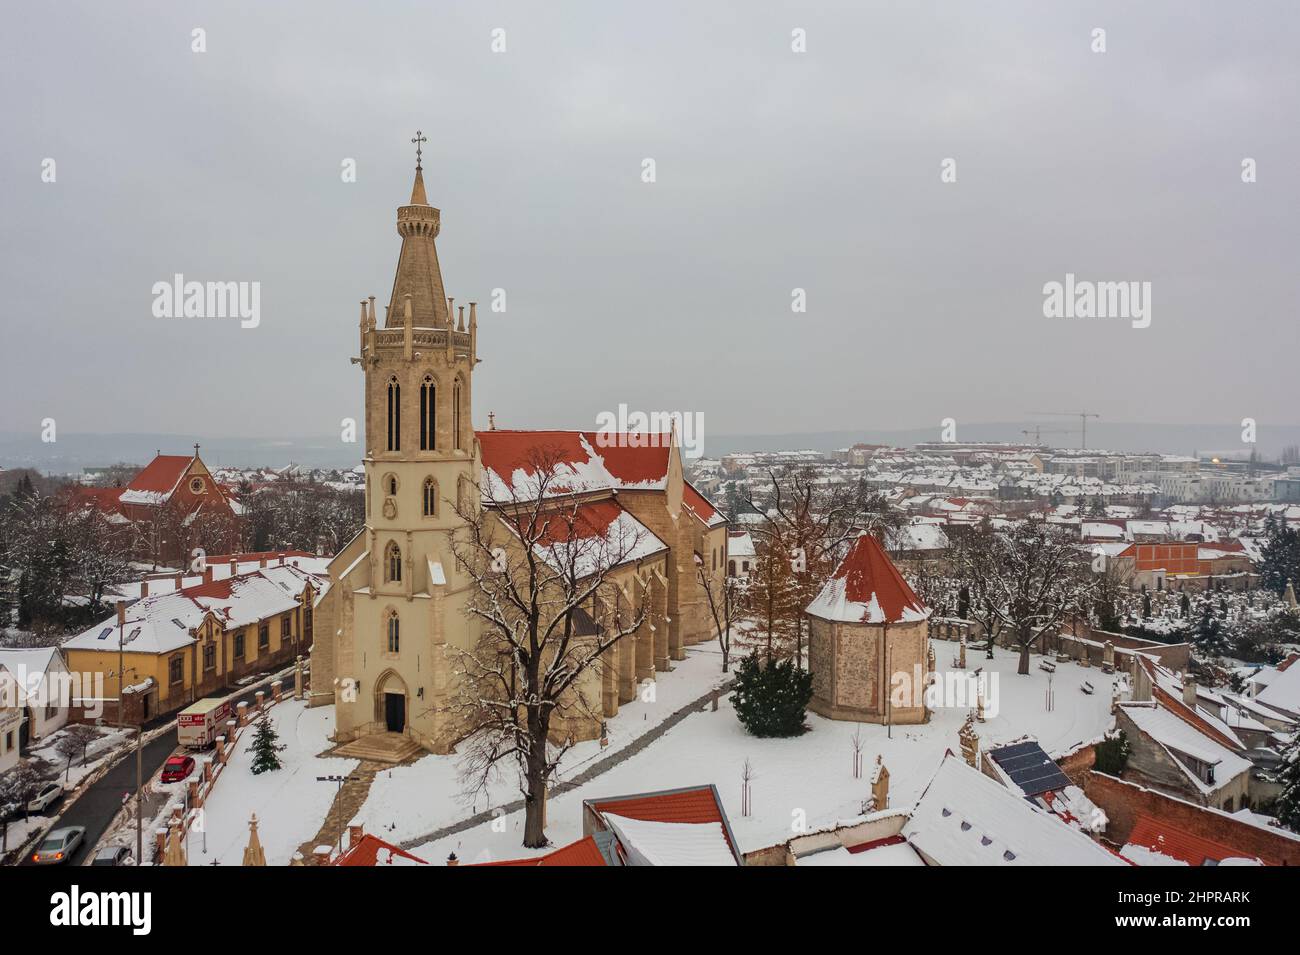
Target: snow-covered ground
808 780
409 801
289 802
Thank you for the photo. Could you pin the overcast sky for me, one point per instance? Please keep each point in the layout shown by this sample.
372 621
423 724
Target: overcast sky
775 170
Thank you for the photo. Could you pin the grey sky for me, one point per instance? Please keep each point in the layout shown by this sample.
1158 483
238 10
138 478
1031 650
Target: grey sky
775 170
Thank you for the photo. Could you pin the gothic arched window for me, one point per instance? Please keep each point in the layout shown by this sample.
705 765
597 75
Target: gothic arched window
394 632
393 563
430 497
455 412
428 414
394 415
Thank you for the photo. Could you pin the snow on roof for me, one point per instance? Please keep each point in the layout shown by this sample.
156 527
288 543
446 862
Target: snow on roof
591 536
33 661
699 505
371 850
1181 738
1283 690
965 818
887 854
1173 846
157 480
648 842
867 588
919 536
162 623
740 545
580 461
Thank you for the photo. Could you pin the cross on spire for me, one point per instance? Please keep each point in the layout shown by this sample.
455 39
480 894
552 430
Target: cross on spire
419 140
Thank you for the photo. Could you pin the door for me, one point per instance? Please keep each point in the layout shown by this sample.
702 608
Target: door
395 712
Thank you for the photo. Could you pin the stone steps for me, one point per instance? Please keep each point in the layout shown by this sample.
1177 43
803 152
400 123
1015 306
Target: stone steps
389 748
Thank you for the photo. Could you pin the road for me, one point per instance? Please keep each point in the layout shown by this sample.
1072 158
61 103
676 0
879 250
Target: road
102 800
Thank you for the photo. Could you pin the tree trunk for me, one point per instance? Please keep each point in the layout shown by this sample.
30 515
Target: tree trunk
1023 669
535 800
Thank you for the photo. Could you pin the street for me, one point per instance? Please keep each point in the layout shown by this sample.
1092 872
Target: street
96 808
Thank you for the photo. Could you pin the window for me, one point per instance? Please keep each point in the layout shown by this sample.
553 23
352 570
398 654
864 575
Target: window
239 645
393 563
455 412
176 668
307 621
390 482
430 497
428 414
263 634
286 629
731 568
394 415
394 634
209 656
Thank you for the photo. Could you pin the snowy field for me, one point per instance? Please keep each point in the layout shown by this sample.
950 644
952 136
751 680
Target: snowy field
409 801
289 802
809 779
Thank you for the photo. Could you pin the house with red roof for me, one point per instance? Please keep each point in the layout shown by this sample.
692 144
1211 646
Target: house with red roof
868 638
171 506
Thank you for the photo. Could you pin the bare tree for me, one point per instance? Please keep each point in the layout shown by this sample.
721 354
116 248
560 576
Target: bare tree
724 601
540 564
1026 579
811 520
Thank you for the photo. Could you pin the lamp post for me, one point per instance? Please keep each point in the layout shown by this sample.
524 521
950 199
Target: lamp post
340 780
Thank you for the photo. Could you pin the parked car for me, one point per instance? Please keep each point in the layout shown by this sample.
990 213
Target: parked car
46 796
112 855
58 845
177 768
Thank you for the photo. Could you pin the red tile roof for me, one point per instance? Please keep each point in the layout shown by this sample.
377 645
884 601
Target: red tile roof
161 474
584 852
602 460
868 576
367 849
698 504
696 805
1160 836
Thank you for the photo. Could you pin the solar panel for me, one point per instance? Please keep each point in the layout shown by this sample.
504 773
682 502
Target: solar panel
1030 768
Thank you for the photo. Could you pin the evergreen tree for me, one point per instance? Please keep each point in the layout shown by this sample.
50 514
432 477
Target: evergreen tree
1280 557
266 747
1288 774
1112 754
771 696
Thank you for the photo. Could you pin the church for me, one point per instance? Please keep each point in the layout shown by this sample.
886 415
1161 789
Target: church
393 619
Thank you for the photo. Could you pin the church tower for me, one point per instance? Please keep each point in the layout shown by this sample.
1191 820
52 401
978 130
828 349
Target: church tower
400 597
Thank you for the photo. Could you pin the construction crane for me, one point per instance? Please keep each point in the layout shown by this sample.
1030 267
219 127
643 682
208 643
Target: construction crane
1083 417
1038 432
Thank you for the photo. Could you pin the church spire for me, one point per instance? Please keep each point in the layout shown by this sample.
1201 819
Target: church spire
418 274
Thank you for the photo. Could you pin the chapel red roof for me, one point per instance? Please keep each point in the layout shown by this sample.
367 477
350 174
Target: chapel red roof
698 504
599 460
698 804
867 578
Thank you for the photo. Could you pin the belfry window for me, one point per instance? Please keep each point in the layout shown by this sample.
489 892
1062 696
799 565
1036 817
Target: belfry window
455 412
394 415
428 414
430 497
393 563
394 632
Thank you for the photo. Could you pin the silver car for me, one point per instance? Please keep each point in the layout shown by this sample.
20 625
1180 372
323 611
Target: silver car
58 845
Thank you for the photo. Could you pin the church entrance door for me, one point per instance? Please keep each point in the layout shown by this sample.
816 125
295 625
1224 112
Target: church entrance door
395 712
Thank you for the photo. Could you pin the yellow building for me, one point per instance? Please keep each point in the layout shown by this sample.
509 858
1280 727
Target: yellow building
393 618
193 636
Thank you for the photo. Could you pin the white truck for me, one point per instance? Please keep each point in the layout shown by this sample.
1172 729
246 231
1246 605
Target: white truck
200 723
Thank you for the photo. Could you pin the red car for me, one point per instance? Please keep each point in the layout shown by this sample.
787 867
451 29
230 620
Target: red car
177 768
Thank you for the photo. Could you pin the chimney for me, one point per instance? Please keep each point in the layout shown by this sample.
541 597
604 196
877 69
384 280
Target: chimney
355 833
452 860
121 613
144 588
1189 691
179 581
261 561
234 567
207 573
